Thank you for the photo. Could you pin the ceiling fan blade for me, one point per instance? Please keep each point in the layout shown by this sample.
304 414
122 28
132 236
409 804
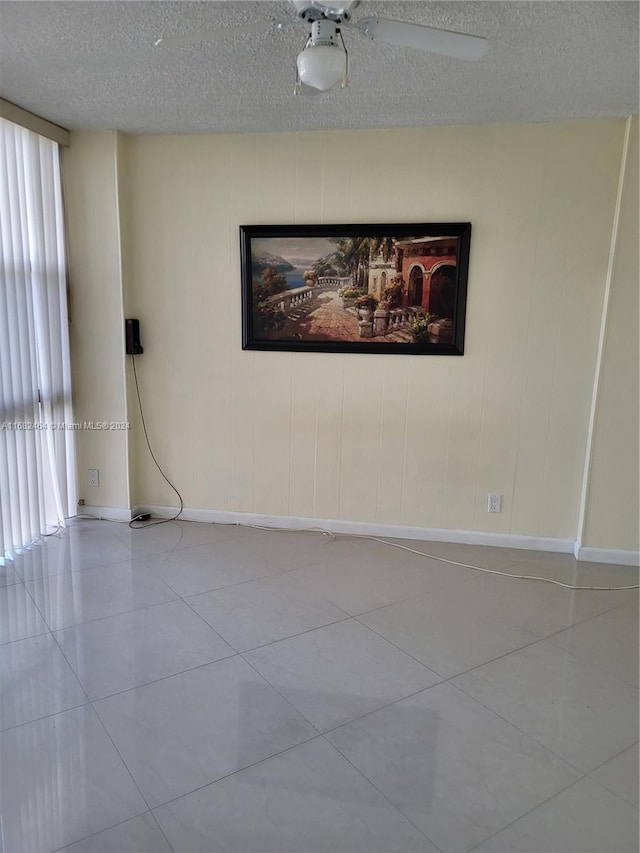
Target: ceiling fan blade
228 32
445 42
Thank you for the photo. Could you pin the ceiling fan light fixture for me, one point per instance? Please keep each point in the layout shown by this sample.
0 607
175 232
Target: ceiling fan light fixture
322 66
323 61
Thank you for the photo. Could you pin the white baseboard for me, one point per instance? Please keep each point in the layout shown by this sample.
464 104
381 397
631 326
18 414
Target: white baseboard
607 555
364 528
106 513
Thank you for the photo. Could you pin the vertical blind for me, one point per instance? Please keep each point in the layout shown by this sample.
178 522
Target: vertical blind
37 460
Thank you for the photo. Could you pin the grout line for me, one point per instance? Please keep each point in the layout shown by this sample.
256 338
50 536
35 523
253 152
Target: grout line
30 637
44 717
617 755
548 799
345 618
602 784
38 610
235 653
12 583
382 794
106 829
71 669
449 680
94 711
590 663
275 574
20 579
563 758
586 619
499 657
96 700
204 621
399 648
402 601
161 830
579 770
321 735
126 766
150 809
608 790
225 586
241 654
116 615
76 571
102 618
282 696
381 708
239 770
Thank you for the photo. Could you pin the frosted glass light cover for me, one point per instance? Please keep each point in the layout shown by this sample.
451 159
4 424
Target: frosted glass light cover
322 66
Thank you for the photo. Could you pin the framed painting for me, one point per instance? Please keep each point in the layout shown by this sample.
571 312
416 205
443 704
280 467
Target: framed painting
399 288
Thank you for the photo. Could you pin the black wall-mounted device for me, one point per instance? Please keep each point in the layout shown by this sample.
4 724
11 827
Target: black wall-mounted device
132 337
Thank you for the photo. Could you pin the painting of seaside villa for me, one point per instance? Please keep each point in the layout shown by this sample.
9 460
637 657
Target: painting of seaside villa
331 292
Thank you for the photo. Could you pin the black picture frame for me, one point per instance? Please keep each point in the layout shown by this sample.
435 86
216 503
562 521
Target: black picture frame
416 272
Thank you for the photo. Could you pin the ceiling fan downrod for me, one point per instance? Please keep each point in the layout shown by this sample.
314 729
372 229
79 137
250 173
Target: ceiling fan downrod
314 10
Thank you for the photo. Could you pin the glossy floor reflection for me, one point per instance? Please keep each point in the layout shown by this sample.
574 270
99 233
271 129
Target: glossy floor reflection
199 687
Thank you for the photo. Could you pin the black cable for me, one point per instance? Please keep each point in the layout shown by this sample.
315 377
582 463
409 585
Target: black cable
146 435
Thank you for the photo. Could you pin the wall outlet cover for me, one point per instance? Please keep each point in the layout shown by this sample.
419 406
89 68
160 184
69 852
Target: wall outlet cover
494 503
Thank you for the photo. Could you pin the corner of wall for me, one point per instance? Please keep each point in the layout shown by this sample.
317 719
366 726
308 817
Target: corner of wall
609 511
90 167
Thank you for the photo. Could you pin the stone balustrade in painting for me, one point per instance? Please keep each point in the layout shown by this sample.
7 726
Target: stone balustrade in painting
288 299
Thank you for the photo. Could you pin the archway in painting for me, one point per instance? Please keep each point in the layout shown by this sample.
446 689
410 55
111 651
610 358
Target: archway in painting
416 284
442 291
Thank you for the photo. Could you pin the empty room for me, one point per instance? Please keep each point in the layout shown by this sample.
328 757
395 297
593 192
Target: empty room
319 426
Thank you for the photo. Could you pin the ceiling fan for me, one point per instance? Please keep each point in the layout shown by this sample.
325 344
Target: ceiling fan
323 61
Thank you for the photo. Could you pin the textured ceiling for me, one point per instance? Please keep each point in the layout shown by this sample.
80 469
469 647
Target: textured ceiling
92 65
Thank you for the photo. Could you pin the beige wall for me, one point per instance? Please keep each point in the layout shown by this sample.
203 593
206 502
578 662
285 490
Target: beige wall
91 198
393 439
612 498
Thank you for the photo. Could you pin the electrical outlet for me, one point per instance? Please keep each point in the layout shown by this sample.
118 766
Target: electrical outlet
494 503
94 478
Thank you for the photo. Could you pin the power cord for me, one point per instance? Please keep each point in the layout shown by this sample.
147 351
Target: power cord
502 574
334 536
442 559
132 523
86 515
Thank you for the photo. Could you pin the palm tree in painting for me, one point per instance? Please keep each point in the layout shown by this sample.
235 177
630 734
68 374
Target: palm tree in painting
354 254
381 246
347 254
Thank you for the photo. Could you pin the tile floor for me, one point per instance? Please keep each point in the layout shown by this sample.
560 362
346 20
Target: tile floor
199 687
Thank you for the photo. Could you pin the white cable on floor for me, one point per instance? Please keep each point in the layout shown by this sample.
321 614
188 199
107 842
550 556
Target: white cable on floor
444 559
410 550
85 515
502 574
